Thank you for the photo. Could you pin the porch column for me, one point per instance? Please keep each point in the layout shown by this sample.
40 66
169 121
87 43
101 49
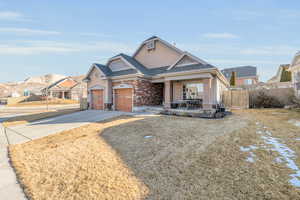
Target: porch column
63 95
168 94
207 104
108 95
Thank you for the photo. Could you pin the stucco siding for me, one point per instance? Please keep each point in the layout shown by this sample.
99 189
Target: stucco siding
178 88
95 78
161 56
96 82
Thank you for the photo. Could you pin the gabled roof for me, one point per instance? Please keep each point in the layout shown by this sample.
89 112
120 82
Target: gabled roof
243 71
139 69
158 39
163 70
133 62
61 81
198 60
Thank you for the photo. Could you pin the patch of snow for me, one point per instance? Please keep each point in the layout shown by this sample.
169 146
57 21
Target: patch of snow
250 147
278 160
286 154
251 157
294 122
148 136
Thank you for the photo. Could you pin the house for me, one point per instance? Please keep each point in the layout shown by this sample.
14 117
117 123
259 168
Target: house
245 75
157 74
295 70
66 88
279 75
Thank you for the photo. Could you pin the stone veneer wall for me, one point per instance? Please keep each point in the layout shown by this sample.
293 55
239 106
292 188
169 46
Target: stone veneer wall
145 93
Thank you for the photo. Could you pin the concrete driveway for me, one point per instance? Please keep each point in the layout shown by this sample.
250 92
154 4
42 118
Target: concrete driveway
9 187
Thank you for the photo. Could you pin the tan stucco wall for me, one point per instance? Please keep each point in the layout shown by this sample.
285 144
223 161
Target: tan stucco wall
178 88
207 93
161 56
97 81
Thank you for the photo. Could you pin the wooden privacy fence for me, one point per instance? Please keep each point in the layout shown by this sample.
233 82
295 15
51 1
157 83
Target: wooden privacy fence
236 99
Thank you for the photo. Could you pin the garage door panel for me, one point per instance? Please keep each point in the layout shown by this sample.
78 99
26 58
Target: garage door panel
123 100
97 99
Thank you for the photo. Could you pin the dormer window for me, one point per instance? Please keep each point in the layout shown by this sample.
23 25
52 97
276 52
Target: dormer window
150 45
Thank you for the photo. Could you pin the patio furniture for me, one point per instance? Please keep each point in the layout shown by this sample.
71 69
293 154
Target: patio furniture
188 103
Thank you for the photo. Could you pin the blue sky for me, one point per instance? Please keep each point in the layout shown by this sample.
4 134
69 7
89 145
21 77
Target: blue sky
66 37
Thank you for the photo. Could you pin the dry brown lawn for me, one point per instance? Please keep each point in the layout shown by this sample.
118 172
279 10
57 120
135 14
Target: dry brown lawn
184 158
43 103
23 119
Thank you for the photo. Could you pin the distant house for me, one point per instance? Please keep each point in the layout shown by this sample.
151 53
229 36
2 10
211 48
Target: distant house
279 75
245 75
295 70
66 88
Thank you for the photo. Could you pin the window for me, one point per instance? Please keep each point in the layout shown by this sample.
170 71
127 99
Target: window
150 45
248 81
192 90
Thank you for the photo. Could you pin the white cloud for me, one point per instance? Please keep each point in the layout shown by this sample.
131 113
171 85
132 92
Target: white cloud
11 15
220 35
27 31
50 47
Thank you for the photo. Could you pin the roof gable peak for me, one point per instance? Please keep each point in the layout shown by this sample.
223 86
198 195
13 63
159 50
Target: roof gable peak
155 38
195 60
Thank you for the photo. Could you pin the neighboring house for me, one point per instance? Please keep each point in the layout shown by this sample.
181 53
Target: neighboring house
66 88
295 70
278 77
157 74
245 75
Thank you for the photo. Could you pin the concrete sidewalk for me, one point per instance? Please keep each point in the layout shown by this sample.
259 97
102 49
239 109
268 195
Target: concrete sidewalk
9 187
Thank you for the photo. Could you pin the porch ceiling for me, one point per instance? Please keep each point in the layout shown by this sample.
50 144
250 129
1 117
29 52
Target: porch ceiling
187 77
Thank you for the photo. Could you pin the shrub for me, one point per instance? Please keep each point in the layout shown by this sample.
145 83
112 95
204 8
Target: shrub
263 100
233 79
286 76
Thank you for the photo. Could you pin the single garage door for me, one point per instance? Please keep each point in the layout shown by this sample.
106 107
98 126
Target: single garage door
97 99
123 99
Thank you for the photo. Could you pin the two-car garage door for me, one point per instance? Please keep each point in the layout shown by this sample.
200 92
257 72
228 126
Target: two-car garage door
123 99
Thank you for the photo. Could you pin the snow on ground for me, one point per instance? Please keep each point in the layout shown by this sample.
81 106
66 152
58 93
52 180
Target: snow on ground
286 155
294 122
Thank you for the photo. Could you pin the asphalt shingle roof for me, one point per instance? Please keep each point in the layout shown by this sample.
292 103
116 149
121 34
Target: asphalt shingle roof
146 71
243 71
106 70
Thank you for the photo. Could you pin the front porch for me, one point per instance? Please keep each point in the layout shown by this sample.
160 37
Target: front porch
190 94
